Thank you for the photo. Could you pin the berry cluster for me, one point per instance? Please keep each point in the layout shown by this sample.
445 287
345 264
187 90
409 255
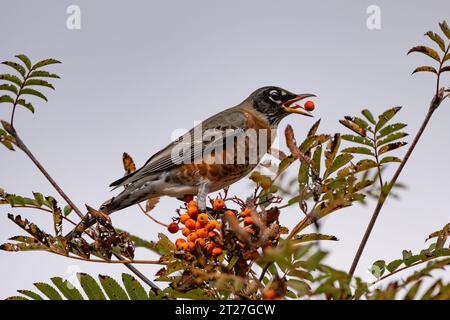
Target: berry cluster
199 230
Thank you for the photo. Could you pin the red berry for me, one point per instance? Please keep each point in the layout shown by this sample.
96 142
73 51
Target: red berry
173 227
309 105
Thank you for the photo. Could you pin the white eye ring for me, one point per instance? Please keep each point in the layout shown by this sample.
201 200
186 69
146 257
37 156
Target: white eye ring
275 96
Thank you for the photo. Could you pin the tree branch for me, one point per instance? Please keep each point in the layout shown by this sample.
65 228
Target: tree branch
437 99
21 145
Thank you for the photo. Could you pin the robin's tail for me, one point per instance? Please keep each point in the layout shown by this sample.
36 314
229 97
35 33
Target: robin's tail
123 200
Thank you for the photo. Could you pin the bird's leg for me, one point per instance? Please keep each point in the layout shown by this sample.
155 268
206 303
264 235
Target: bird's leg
203 190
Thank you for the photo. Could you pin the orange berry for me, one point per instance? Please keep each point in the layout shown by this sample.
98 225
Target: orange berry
186 232
229 213
202 218
192 211
190 224
184 218
201 242
192 203
270 294
212 234
191 246
214 224
216 251
246 212
192 237
202 233
309 105
173 227
198 225
209 248
184 246
218 204
179 242
248 220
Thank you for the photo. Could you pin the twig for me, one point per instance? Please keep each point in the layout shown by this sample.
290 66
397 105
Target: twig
437 99
21 145
151 218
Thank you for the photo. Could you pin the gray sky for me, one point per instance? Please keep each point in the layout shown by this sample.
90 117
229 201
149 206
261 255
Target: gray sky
137 71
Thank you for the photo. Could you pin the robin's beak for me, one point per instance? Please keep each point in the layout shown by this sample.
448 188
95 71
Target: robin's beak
289 106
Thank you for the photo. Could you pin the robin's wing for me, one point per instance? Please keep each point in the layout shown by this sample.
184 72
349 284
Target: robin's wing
192 145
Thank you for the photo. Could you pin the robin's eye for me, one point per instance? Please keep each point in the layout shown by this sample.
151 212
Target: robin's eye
275 96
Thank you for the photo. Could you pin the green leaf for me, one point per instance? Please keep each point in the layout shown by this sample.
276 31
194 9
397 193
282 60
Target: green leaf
91 288
25 60
134 288
9 87
390 129
48 291
392 137
30 294
303 174
285 163
43 74
390 147
425 69
112 288
39 198
445 29
19 68
313 237
67 210
386 116
390 159
340 161
33 93
366 113
427 51
69 291
393 265
38 82
11 78
15 247
437 39
378 268
45 62
331 151
6 99
317 158
25 104
354 127
314 127
357 139
358 150
446 57
413 291
16 298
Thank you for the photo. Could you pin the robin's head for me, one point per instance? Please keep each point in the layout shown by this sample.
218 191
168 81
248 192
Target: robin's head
276 103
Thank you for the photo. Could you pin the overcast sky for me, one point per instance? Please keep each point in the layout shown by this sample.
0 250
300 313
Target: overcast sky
138 70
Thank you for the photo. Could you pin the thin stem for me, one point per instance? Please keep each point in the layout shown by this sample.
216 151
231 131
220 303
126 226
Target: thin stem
437 99
151 218
17 97
439 71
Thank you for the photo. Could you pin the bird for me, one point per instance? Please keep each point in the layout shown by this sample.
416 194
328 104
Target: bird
214 154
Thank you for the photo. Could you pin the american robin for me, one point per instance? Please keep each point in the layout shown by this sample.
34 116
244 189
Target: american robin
216 153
